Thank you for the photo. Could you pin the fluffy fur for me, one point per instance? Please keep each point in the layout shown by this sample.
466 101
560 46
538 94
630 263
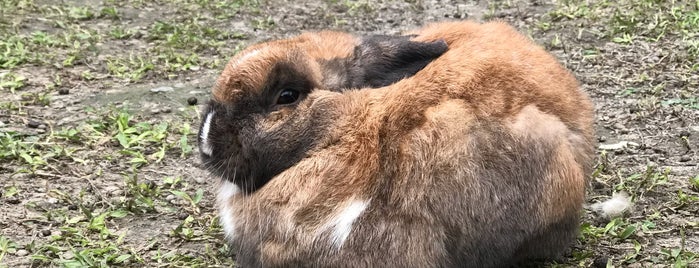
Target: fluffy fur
475 158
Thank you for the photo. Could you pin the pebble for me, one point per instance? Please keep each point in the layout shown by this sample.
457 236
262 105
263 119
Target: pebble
13 201
602 138
685 133
33 124
151 184
22 252
63 91
170 197
45 232
72 207
685 158
182 216
162 89
68 255
192 101
600 262
166 110
52 200
179 85
200 180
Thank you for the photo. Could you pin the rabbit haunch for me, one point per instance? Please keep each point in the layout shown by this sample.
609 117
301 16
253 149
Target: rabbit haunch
476 158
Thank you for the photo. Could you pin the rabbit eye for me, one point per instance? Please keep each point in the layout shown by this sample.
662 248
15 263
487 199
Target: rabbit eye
288 96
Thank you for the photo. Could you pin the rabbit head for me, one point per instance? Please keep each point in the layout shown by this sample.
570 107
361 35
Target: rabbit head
267 110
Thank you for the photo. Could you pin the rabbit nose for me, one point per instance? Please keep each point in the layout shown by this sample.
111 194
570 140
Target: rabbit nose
205 145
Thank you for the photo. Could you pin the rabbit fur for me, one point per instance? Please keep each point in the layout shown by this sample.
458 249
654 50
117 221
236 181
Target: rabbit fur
460 145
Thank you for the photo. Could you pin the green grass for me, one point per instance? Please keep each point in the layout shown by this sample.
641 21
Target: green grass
103 172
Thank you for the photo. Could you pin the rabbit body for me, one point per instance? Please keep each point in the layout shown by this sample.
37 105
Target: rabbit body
479 159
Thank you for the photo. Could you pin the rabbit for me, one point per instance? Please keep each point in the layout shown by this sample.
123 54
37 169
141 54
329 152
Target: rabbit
460 144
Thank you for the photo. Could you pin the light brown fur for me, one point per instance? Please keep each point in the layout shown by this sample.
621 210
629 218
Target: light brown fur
478 160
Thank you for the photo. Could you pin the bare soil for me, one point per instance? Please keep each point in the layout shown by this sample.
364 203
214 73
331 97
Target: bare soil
645 92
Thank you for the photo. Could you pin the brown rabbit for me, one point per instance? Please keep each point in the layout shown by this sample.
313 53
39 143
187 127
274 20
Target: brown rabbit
473 157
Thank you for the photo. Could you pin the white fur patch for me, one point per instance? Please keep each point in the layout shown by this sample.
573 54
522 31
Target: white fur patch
613 207
204 135
227 191
341 224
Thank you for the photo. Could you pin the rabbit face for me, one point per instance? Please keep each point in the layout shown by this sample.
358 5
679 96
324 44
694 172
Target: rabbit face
273 102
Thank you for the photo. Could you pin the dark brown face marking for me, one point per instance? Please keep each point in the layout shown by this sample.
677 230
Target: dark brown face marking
381 60
243 153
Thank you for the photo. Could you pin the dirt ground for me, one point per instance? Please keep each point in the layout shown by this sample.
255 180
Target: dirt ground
98 120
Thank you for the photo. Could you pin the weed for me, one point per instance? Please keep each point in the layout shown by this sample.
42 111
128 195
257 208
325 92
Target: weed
192 200
80 13
109 12
13 52
679 256
11 81
694 183
643 182
140 195
6 246
134 67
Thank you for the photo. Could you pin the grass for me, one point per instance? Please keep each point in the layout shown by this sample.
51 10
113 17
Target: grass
110 190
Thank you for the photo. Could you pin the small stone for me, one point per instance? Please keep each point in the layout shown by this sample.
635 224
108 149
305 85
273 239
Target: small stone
155 111
600 262
13 201
52 200
602 138
42 126
192 101
63 91
179 85
170 197
685 158
45 232
150 184
162 89
200 180
22 253
685 133
166 110
33 124
72 207
598 185
634 109
68 255
182 216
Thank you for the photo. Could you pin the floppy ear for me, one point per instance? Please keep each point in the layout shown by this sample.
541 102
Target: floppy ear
381 60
